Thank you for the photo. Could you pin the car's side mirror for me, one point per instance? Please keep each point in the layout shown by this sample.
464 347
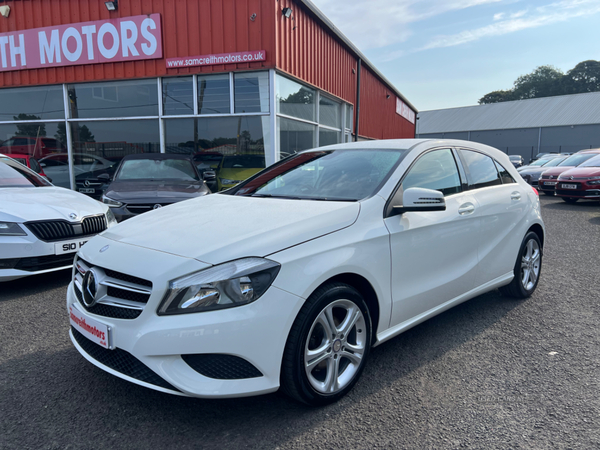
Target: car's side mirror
104 177
209 175
420 199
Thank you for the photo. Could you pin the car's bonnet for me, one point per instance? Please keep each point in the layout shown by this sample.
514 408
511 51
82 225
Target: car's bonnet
581 172
126 191
46 203
219 228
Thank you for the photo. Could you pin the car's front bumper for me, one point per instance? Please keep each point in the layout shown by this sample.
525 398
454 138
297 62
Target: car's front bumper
22 256
255 333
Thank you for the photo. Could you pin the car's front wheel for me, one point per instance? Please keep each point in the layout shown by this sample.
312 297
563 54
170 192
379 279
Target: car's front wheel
328 345
527 268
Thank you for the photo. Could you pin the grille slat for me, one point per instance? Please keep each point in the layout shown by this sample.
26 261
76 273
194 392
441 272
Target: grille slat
56 230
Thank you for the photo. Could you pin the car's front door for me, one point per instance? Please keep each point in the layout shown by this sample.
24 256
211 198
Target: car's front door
434 254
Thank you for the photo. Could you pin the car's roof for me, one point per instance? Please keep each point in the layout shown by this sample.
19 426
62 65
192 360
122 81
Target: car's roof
591 150
156 156
17 155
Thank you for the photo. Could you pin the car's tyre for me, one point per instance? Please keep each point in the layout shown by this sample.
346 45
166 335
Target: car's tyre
528 268
570 200
328 345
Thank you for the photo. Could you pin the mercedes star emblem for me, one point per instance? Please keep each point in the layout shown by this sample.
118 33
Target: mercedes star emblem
158 205
86 183
90 288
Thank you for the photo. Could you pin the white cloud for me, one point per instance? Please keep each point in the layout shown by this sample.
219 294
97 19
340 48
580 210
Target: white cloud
379 23
522 20
499 16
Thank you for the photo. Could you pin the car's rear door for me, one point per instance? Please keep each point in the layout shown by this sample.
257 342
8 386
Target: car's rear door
434 254
502 203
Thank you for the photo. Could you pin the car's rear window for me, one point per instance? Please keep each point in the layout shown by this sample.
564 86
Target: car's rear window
14 174
157 169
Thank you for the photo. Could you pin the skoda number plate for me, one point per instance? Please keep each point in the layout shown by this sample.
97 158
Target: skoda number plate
568 186
95 331
61 248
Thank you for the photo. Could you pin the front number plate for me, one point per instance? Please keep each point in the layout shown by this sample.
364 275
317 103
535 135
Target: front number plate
568 186
61 248
87 190
549 183
95 331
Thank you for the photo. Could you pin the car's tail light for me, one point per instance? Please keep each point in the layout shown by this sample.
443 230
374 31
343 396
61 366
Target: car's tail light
536 191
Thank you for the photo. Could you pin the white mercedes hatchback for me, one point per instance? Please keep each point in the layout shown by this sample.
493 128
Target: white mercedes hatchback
42 226
289 278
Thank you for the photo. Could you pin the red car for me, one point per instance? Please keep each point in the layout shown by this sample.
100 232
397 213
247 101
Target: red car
580 182
31 162
549 178
25 145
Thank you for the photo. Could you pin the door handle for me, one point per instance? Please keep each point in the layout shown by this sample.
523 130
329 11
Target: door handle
467 208
515 196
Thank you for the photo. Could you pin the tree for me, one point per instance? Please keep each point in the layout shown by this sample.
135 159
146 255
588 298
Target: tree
584 77
33 130
497 96
544 81
548 81
81 134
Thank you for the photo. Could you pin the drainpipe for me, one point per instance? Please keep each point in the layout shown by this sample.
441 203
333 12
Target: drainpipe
357 112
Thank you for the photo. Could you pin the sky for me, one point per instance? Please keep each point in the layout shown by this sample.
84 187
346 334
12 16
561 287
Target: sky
449 53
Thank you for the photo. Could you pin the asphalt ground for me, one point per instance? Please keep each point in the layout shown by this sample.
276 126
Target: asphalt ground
490 373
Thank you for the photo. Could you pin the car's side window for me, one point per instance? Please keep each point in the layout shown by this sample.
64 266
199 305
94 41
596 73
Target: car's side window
435 170
504 175
481 169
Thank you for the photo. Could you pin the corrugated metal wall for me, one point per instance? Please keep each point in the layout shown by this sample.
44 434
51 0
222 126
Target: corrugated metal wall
311 54
190 28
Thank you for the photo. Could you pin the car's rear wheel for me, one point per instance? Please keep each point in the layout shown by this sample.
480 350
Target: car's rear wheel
570 200
328 346
527 268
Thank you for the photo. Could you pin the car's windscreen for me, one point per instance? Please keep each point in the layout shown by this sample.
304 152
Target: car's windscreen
554 162
575 160
592 162
157 169
541 162
244 162
335 175
14 174
515 158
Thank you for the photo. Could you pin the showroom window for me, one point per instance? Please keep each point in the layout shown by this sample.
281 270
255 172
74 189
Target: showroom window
178 96
307 118
31 103
214 94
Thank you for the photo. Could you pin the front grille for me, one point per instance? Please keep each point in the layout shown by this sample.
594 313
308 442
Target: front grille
577 193
118 295
222 367
139 209
121 361
57 230
93 225
37 263
107 310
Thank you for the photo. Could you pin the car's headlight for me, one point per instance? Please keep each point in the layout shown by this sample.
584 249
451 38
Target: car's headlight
228 181
110 202
110 218
11 229
227 285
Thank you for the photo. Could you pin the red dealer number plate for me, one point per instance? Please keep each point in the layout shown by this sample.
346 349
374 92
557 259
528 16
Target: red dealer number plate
95 331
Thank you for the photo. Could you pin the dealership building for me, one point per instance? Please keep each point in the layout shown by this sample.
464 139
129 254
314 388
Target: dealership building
565 123
83 84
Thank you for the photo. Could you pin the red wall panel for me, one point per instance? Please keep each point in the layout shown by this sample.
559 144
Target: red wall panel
311 53
190 28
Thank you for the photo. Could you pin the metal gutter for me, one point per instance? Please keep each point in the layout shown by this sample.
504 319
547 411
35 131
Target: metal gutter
323 18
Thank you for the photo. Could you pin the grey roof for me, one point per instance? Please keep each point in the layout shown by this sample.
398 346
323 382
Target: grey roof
577 109
317 12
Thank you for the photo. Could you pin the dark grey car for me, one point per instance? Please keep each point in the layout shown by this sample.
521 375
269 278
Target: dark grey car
148 181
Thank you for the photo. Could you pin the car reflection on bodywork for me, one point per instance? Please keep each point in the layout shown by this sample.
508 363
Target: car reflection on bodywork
144 182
